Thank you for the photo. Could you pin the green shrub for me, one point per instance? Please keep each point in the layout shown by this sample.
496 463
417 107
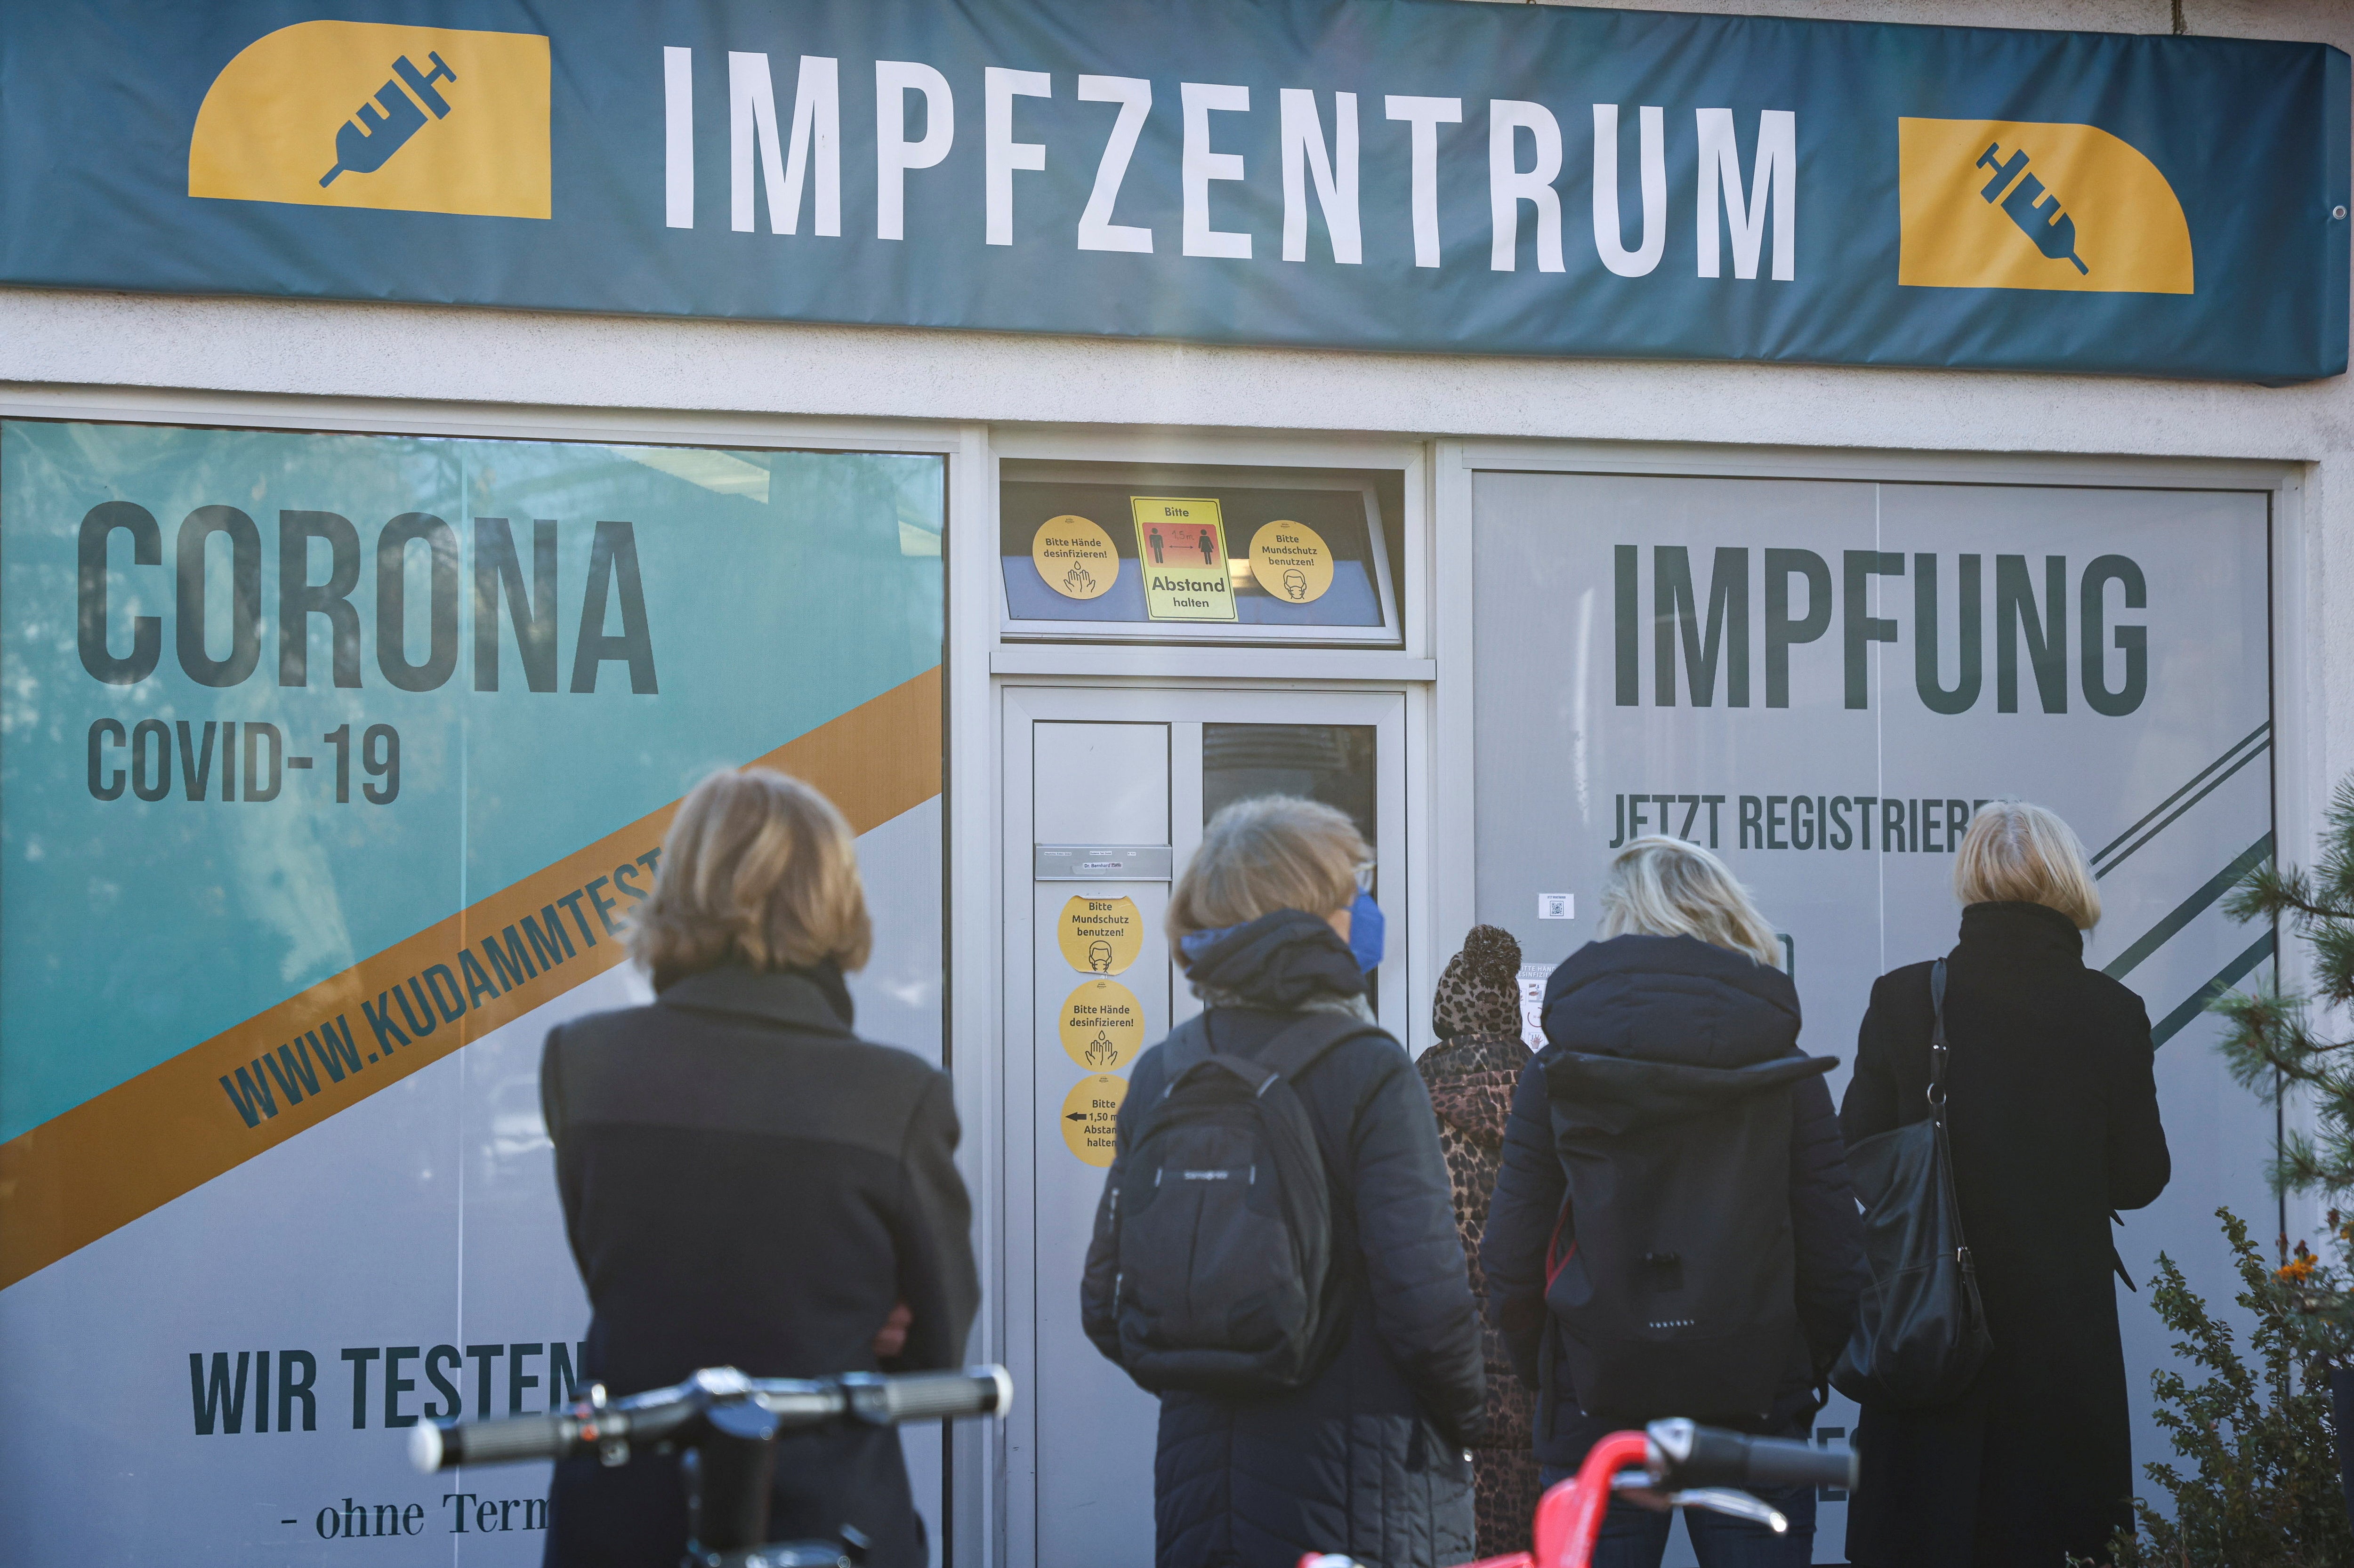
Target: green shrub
2262 1489
2272 1046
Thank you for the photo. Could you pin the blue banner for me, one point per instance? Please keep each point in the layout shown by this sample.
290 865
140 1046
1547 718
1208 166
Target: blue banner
1399 174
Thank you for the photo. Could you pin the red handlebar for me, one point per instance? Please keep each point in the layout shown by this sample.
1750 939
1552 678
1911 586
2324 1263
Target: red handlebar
1569 1518
1675 1455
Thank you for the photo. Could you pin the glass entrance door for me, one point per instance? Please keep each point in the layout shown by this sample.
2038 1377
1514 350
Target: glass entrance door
1107 791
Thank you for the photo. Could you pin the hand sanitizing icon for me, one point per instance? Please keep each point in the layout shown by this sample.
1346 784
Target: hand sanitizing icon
364 144
2053 231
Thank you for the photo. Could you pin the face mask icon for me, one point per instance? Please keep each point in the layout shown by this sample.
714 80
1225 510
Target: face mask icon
1295 582
1099 955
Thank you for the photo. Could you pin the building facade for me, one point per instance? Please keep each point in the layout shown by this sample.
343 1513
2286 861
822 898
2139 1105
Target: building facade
1527 608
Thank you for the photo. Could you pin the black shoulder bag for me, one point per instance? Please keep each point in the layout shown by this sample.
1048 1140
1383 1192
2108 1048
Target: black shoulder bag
1920 1333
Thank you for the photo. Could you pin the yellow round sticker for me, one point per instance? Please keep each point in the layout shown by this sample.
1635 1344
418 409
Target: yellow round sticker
1291 561
1090 1113
1100 936
1075 558
1103 1025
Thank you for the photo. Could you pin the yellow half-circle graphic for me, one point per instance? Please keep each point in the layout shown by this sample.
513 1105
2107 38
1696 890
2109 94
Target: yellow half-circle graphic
370 114
2023 204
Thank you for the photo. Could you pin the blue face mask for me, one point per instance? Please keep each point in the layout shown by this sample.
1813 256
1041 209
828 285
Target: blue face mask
1366 927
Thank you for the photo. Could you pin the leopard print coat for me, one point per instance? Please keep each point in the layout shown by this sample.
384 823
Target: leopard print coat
1472 1075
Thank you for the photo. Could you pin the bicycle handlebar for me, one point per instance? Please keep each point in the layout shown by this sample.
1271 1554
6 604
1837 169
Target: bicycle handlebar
1689 1455
592 1425
432 1446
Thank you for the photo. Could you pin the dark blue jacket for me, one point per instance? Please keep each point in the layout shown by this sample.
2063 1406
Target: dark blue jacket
1368 1458
1667 998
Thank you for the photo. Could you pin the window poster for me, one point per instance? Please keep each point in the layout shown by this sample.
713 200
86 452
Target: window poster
1821 681
331 770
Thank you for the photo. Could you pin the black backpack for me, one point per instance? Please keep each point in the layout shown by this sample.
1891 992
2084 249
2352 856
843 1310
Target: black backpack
1671 1273
1222 1222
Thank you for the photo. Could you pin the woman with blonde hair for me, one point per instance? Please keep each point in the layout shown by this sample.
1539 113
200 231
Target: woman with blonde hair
1359 1448
2051 1113
1672 1233
748 1183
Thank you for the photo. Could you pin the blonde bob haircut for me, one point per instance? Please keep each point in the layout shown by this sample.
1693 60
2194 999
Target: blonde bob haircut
757 869
2018 854
1665 887
1277 851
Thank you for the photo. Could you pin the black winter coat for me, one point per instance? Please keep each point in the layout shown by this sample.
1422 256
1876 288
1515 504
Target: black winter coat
2054 1119
1369 1457
1653 998
747 1183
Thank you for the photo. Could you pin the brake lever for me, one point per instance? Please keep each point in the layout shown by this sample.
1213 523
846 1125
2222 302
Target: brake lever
1641 1490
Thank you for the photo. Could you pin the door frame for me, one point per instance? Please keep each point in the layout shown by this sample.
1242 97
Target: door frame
1394 709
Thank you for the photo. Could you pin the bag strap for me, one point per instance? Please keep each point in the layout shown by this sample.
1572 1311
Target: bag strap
1938 1051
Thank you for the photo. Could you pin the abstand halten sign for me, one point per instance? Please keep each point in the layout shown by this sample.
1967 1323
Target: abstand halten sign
1372 173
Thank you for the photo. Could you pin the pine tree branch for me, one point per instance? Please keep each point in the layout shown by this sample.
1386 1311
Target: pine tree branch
2272 892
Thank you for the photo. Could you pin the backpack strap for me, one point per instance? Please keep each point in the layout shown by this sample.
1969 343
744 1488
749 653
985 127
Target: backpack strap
1290 1053
1184 1048
1556 1256
1296 1049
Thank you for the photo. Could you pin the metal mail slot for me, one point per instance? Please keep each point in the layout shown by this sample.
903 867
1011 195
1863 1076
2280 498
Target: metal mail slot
1102 862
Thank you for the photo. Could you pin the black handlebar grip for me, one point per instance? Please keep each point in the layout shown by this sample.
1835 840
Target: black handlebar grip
930 1396
433 1447
1782 1462
1696 1455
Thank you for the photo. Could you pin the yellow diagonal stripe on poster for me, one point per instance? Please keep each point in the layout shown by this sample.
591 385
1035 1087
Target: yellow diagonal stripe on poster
140 1144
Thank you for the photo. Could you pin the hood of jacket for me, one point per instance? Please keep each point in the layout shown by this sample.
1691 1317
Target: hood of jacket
1476 1014
1480 991
1642 1030
1278 961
